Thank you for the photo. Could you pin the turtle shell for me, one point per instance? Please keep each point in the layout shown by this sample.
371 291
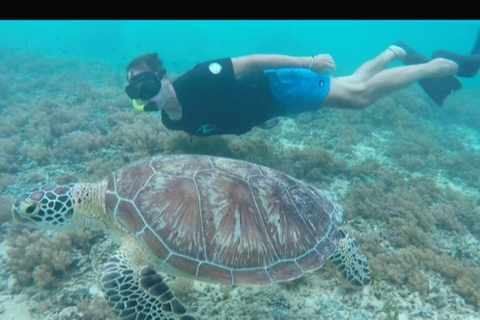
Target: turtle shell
225 220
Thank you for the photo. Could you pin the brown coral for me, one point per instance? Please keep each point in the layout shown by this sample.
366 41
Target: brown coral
37 258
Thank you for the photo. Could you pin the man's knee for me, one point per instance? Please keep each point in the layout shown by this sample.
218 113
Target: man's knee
349 95
359 96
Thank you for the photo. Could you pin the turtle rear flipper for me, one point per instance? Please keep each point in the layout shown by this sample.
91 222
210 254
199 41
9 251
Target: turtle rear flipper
351 263
139 294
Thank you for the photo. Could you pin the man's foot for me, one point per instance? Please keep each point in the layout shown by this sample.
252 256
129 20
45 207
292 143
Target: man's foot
411 56
399 53
468 65
443 67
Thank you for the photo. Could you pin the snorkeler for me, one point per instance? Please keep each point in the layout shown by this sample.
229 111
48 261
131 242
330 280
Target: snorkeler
233 95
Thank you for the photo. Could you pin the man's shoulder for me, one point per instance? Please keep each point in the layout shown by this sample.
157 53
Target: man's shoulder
204 72
214 67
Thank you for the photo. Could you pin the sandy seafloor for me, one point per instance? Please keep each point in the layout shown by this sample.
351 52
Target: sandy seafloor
405 170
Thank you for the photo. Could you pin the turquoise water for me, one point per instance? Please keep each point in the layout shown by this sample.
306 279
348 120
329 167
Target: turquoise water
183 43
404 170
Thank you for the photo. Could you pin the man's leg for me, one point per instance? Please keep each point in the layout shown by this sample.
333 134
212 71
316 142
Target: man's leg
394 79
347 94
372 67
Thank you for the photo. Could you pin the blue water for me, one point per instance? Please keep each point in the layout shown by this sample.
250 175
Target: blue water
405 170
184 43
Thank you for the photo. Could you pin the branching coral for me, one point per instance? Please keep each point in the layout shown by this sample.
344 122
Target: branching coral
411 214
5 209
8 154
95 308
144 136
312 161
6 180
37 258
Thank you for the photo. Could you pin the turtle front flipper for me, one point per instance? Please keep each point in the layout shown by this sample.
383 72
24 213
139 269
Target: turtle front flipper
351 263
139 294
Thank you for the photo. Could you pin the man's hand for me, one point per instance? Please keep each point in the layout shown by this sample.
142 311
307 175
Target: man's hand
323 62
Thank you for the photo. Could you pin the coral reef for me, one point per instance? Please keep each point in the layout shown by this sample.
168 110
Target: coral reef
406 173
37 258
95 308
5 209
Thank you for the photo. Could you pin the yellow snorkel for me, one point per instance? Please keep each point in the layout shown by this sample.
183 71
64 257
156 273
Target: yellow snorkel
137 105
151 106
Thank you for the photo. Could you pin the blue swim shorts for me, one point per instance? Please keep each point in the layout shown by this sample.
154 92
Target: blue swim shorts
297 90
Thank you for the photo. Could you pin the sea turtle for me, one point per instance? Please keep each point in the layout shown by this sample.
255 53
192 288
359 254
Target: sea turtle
207 218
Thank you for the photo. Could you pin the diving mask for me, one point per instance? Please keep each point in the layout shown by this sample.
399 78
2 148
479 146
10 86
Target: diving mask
145 86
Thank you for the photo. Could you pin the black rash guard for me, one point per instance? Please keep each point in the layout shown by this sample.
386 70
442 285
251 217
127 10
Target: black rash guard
214 102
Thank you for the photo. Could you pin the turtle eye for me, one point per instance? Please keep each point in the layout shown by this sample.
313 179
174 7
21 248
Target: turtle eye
30 209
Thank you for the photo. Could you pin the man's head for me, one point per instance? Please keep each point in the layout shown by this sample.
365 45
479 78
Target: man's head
147 62
144 75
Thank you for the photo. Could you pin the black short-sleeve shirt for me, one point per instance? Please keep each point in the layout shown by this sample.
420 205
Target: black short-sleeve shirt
215 102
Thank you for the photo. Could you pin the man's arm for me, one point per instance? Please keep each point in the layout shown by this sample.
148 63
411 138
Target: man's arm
259 62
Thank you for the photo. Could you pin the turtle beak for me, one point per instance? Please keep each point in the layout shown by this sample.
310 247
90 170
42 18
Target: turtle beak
19 218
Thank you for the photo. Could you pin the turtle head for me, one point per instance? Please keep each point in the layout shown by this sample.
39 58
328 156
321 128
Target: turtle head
48 207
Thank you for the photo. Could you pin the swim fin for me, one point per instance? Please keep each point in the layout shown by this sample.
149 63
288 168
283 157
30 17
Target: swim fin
439 88
413 57
468 64
436 88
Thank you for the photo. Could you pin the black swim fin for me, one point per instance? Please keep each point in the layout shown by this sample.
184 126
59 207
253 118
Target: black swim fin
437 89
413 57
468 64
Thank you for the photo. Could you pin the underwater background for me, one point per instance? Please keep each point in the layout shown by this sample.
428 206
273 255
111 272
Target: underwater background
404 169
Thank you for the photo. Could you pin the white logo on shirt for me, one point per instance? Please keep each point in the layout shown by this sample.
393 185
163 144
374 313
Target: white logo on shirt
215 68
206 128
